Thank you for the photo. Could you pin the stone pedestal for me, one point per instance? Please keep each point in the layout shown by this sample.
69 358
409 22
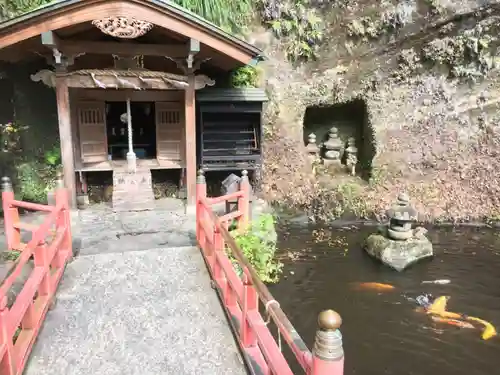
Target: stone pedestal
131 162
82 201
399 254
133 191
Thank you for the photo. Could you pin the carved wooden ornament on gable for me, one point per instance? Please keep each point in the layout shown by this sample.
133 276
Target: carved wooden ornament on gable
123 27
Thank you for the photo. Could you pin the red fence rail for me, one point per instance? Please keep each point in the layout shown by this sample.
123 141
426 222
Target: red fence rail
51 248
241 296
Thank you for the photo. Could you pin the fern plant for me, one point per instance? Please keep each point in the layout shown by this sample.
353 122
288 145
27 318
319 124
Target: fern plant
13 8
229 15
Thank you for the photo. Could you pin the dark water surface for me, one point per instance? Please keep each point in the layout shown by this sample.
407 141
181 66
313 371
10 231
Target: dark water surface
382 332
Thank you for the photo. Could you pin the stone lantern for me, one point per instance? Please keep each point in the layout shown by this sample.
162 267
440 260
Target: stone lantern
333 148
231 184
401 217
312 148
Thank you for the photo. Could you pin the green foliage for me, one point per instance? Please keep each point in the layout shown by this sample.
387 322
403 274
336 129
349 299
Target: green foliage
259 249
53 157
470 54
393 18
408 62
38 176
31 185
230 15
435 7
10 138
11 255
364 28
13 8
351 199
246 76
297 24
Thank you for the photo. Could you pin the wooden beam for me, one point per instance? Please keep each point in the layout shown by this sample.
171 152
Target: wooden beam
124 49
137 96
190 139
64 115
50 39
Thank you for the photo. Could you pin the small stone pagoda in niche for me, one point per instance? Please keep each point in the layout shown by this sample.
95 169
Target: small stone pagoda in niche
351 156
397 244
312 148
333 149
333 152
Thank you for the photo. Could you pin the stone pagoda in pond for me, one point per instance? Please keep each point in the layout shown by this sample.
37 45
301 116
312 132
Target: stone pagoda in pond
397 244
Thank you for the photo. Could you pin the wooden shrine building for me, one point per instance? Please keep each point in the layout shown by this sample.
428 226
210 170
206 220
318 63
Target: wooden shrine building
126 74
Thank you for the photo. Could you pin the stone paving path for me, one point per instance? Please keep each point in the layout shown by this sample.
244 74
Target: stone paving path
136 300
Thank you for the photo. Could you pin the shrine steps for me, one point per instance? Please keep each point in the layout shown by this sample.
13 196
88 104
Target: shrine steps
133 191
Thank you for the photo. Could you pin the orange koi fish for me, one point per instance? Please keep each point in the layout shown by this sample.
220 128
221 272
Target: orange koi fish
380 287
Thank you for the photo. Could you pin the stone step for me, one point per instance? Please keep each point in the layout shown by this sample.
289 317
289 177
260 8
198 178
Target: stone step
133 191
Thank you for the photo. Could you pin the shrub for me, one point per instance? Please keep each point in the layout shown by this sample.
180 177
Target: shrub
259 247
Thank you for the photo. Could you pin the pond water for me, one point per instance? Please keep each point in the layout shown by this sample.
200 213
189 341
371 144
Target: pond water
382 332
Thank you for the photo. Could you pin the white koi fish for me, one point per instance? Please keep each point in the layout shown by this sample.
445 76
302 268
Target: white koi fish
440 282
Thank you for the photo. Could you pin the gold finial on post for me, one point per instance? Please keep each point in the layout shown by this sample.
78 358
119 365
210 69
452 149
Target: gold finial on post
329 320
60 180
244 201
200 179
6 184
328 353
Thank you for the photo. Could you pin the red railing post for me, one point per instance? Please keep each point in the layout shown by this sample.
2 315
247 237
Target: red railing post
250 303
218 245
201 194
6 360
40 258
63 221
11 215
244 202
328 353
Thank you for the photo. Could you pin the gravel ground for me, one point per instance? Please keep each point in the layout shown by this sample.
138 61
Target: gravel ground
136 312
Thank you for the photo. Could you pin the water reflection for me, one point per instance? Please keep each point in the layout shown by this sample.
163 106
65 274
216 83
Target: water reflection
382 332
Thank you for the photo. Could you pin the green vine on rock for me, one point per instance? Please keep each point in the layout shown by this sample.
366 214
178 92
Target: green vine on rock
297 24
246 76
393 18
470 54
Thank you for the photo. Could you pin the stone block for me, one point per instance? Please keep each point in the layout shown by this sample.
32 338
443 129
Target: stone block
399 255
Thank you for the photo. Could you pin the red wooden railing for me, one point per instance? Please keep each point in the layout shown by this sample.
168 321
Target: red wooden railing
50 246
241 296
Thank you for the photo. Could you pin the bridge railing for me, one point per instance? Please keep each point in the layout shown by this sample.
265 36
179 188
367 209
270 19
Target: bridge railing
50 247
241 296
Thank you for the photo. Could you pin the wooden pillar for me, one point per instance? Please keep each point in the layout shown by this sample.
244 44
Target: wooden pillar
65 135
190 138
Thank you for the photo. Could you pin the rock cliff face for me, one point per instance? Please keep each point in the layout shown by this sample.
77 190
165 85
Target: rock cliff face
426 73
